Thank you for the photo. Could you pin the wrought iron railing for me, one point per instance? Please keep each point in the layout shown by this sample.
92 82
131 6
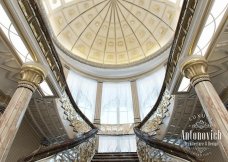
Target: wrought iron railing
76 121
39 29
84 128
150 123
150 148
83 152
85 140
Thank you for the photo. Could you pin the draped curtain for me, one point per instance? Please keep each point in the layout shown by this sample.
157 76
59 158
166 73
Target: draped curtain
148 90
125 143
116 103
84 93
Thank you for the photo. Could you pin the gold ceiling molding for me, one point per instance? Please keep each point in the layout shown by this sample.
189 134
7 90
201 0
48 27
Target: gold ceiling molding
179 38
111 32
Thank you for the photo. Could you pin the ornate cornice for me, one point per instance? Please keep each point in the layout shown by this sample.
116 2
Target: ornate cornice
195 68
32 74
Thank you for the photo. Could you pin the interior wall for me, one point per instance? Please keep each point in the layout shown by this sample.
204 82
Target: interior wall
25 142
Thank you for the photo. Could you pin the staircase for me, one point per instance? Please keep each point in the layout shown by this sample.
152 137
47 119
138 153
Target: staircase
116 157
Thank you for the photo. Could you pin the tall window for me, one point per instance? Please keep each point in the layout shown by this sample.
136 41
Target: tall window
148 90
116 104
84 93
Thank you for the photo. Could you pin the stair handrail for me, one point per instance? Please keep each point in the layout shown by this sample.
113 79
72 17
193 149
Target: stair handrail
166 147
171 65
179 38
174 52
68 144
44 152
37 14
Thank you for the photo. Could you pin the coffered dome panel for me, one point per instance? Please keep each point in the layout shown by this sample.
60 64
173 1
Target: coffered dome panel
112 32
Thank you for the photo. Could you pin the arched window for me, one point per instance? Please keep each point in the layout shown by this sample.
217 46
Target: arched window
116 103
84 93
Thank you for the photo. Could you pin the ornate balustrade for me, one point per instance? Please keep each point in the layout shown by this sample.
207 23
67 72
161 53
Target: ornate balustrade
83 152
149 148
81 124
77 122
115 129
151 154
152 149
82 147
152 124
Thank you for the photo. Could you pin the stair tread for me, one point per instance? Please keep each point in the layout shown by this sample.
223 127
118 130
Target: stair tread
116 153
115 157
119 160
101 154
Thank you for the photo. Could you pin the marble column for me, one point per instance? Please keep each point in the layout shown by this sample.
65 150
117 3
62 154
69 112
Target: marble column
135 101
195 68
97 114
32 74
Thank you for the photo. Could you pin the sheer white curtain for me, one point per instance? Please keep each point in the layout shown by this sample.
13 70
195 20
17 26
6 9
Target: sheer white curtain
148 90
84 93
125 143
116 103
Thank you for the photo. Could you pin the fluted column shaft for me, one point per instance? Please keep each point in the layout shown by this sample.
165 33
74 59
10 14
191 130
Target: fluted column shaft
32 75
195 68
97 115
135 101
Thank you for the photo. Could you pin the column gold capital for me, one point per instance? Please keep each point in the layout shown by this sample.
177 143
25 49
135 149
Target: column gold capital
32 74
195 68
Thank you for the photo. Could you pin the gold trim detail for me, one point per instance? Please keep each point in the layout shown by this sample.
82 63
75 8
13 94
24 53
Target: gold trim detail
32 74
183 27
195 68
46 48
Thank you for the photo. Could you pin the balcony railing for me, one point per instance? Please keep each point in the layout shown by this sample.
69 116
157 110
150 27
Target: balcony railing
85 130
148 147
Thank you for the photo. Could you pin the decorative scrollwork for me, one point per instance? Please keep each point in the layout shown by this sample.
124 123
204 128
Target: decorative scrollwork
82 153
79 125
115 129
147 153
152 125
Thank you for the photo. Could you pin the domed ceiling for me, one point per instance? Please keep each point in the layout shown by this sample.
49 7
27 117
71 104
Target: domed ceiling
112 32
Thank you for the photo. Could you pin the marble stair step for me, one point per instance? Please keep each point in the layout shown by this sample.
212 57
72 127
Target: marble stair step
111 157
115 160
116 157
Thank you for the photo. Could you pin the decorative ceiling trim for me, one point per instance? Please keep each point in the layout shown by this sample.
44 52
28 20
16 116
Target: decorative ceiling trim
120 13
